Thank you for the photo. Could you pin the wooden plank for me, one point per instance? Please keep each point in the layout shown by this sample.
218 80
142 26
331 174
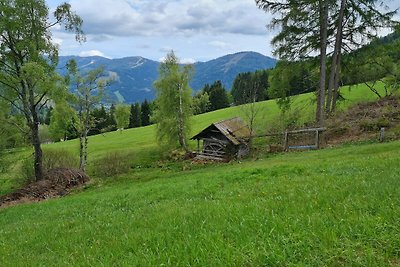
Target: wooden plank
307 130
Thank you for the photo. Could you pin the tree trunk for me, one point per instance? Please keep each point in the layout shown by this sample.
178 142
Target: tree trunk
33 120
81 158
323 5
85 146
335 69
181 131
38 155
337 79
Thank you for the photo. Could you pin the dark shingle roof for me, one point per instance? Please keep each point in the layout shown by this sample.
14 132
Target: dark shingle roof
234 129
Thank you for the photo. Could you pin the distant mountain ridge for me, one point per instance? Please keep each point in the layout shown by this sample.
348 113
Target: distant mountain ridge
135 75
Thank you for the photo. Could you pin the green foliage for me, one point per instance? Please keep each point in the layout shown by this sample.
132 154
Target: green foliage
217 95
201 103
62 122
100 120
122 113
145 113
13 130
134 116
113 163
377 61
51 159
88 91
173 102
250 86
291 78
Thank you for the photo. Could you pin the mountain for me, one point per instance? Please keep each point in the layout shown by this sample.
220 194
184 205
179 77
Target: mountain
135 75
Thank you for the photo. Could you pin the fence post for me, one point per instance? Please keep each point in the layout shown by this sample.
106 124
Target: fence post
382 135
317 139
286 141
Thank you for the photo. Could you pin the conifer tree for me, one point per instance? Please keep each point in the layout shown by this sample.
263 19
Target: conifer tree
145 113
134 117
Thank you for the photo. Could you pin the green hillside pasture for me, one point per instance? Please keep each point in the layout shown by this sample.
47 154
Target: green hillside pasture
143 141
332 207
140 143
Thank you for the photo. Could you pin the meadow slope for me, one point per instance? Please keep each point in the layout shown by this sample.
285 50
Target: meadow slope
140 143
331 207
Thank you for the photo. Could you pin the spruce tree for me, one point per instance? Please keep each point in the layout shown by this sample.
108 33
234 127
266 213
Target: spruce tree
145 113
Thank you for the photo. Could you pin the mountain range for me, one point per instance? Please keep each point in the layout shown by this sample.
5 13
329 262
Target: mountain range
135 75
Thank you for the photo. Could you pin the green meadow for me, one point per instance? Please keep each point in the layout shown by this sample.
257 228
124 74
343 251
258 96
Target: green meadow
332 207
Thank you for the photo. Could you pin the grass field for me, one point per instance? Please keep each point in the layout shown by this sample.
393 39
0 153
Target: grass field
331 207
140 143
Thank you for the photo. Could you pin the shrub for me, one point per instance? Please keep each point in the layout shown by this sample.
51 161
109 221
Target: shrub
368 125
59 158
51 159
113 163
383 122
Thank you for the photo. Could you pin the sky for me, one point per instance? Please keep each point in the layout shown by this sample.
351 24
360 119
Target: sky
197 30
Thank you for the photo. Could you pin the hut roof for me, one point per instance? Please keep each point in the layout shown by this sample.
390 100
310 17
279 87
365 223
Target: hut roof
234 129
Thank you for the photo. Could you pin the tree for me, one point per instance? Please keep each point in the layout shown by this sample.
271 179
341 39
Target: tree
48 116
308 26
28 58
134 117
217 95
100 119
173 101
88 90
245 83
62 122
251 110
122 113
201 103
13 131
145 113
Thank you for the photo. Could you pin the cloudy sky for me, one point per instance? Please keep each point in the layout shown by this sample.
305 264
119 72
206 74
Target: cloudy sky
197 30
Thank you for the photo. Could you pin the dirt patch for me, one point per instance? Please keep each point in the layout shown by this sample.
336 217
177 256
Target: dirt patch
57 182
364 121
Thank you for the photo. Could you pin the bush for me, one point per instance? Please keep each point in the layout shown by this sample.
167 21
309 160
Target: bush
383 122
51 159
113 163
368 125
59 158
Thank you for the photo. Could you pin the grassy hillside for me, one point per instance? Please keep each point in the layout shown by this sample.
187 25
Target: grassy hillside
140 143
331 207
142 140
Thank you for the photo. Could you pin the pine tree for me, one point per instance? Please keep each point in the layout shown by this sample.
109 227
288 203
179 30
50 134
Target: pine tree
145 113
134 118
217 95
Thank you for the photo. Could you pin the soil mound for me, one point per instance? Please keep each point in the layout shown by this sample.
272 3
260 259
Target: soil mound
57 182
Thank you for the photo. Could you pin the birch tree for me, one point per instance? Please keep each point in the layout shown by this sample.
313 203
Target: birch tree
28 58
173 101
88 89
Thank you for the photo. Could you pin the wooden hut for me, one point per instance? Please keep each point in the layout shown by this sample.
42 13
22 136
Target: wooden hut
223 140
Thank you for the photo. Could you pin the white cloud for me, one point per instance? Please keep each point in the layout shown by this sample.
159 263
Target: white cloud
164 18
187 60
91 53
